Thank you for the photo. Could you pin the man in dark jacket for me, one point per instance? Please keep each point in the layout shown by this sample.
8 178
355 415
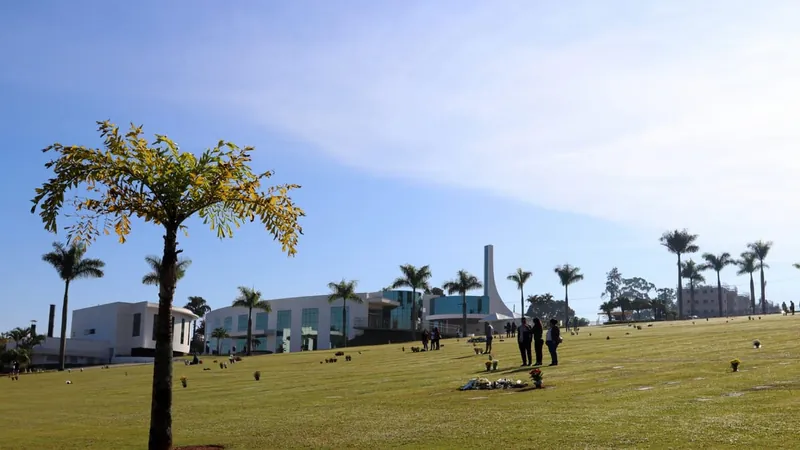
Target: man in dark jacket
553 339
524 339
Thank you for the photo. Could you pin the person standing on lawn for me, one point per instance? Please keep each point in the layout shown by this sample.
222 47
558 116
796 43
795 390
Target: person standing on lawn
524 338
538 342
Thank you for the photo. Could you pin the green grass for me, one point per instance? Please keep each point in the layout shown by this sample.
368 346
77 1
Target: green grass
389 398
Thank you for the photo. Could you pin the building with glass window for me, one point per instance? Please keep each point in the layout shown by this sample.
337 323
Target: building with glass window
446 312
312 323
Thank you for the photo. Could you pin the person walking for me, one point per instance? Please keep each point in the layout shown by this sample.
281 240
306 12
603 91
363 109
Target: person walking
524 338
513 329
553 339
425 338
489 337
538 342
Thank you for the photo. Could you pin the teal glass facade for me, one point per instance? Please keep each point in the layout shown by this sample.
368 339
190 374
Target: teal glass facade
241 322
452 305
283 331
228 324
310 328
337 332
262 319
400 317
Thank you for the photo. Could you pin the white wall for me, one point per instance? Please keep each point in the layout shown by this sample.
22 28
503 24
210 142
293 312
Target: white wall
113 322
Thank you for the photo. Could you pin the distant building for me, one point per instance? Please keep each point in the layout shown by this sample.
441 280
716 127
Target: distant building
312 323
706 302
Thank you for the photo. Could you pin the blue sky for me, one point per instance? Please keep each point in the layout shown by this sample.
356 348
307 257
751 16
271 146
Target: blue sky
420 132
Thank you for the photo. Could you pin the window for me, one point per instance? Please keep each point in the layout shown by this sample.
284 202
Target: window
137 324
155 325
241 322
228 324
261 321
183 328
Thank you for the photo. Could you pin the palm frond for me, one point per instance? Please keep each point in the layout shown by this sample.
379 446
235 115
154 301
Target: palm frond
568 274
151 279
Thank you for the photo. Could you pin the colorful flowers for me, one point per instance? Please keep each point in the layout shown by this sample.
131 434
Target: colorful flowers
184 380
536 376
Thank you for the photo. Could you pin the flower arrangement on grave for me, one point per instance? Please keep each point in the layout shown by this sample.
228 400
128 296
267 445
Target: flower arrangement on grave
257 375
488 365
494 364
536 377
756 344
735 364
184 381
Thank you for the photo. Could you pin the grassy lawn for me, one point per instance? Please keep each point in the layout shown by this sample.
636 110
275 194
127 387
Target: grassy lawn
386 398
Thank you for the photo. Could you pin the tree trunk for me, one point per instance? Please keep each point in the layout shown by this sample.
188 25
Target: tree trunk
522 301
344 321
691 298
249 331
62 348
752 294
680 290
464 314
566 306
219 344
719 294
192 345
161 407
763 295
413 314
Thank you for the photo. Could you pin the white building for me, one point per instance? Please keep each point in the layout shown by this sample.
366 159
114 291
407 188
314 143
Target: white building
129 328
312 323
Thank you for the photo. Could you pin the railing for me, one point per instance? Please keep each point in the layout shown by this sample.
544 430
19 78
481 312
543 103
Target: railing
378 323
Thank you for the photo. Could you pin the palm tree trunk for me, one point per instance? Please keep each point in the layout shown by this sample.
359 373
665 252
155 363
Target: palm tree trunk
413 314
464 313
763 296
566 307
680 290
752 294
161 408
522 301
62 348
249 331
219 343
691 298
194 337
344 321
719 294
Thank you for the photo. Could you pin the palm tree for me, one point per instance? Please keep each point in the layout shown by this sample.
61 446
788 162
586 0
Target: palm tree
344 290
199 306
520 277
219 334
463 283
761 249
679 242
691 271
70 265
251 299
608 308
416 279
625 304
567 275
152 277
717 263
747 265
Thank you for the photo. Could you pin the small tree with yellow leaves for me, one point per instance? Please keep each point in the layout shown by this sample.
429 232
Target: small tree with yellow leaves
157 182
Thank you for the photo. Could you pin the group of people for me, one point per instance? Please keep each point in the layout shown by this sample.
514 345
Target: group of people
433 337
528 335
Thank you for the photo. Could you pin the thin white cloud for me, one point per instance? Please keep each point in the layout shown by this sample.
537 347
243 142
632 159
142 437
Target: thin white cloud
664 115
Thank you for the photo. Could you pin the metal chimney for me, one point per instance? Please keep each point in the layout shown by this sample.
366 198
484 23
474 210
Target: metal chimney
50 320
